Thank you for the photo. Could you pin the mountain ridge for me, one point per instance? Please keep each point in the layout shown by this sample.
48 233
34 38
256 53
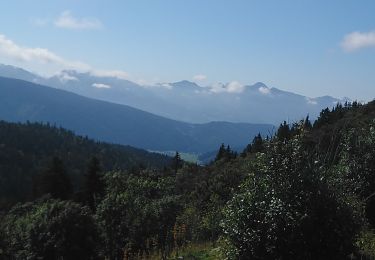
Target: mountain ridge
22 101
187 101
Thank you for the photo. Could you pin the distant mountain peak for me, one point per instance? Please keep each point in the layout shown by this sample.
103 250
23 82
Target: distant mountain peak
18 73
185 84
186 100
261 88
260 85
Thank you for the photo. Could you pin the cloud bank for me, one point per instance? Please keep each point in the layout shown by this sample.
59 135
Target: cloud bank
358 40
11 50
25 54
231 87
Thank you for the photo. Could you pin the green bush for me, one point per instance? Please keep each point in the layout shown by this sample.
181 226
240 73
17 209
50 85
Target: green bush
287 210
49 229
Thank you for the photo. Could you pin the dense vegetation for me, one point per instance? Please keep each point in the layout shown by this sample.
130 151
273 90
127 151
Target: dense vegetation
27 150
305 193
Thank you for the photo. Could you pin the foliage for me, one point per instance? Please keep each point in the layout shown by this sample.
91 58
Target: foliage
94 186
256 146
137 214
49 229
286 210
305 193
53 181
26 150
366 243
225 153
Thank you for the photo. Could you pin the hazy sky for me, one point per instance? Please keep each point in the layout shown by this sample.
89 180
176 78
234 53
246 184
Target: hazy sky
312 47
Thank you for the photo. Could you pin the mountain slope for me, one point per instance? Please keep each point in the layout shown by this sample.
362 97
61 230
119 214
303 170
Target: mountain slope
190 102
26 149
187 101
22 101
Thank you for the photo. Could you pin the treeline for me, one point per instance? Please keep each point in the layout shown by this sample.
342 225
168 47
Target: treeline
27 150
308 192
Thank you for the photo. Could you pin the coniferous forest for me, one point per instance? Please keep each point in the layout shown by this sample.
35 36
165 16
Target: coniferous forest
305 192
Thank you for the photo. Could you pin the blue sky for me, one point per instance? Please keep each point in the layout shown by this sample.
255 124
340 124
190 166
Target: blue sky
313 48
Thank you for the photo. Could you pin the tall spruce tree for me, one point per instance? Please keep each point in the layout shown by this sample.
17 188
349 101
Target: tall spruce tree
54 181
221 153
177 162
94 186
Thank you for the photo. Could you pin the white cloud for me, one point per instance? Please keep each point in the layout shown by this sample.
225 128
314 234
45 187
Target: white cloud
235 87
199 77
358 40
100 85
231 87
110 73
68 21
217 88
11 50
264 90
311 101
33 56
64 77
164 85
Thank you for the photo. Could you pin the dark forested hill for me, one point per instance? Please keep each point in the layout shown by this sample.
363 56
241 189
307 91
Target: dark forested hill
26 149
332 124
306 192
21 101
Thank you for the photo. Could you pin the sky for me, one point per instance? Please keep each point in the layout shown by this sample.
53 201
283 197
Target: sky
313 48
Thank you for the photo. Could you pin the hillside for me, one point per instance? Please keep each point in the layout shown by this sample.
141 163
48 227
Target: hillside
188 101
26 149
21 101
283 197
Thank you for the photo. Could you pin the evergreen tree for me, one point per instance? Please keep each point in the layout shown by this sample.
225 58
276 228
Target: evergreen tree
225 153
324 118
307 123
94 186
177 162
230 154
257 145
221 153
283 133
53 181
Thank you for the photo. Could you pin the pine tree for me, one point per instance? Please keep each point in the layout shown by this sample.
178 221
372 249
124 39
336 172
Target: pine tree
177 162
257 145
307 123
283 133
225 153
221 153
53 181
94 186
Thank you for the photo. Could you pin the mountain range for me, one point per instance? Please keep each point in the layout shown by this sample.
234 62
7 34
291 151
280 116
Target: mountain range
185 100
22 101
